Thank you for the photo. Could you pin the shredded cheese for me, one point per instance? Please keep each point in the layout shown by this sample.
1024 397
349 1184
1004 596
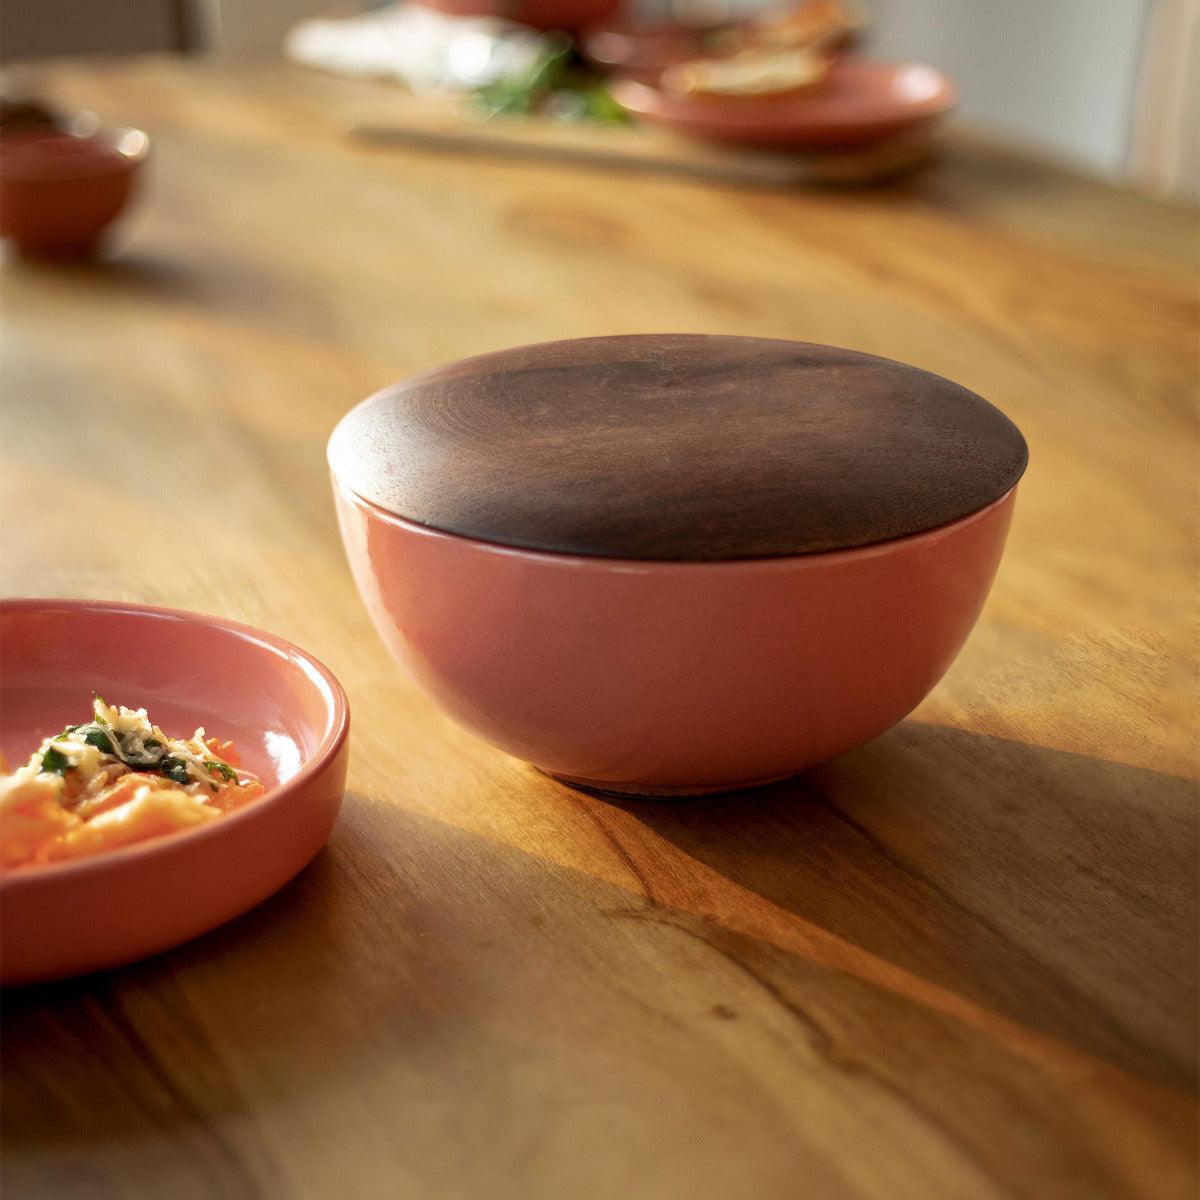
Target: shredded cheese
749 73
113 780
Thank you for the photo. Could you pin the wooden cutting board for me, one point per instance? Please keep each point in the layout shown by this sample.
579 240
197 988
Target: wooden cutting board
409 121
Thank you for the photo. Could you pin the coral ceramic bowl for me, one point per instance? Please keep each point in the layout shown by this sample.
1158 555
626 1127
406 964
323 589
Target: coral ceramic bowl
60 190
673 677
286 713
702 600
540 14
643 49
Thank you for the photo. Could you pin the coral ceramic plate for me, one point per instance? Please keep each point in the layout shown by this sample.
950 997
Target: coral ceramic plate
860 101
285 712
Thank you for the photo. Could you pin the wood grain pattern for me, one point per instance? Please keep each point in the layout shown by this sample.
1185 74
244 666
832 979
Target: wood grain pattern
960 961
679 446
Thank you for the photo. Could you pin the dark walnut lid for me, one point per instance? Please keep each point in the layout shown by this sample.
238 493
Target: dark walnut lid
678 447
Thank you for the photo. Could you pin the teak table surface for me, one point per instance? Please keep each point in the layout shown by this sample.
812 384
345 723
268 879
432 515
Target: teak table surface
959 962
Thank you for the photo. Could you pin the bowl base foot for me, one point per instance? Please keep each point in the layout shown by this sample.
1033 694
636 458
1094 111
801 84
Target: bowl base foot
604 787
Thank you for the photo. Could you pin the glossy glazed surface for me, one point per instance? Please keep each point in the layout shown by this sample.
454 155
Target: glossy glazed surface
673 677
859 101
287 715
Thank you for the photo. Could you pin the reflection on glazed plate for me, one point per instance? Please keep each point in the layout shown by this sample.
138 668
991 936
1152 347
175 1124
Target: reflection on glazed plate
919 84
284 709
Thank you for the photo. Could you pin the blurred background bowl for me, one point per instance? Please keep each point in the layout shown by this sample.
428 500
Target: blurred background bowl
642 49
60 189
539 14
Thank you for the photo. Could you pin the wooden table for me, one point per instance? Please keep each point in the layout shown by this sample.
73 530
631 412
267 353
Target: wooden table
959 962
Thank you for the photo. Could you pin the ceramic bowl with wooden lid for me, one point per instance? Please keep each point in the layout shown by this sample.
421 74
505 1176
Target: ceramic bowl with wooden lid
669 564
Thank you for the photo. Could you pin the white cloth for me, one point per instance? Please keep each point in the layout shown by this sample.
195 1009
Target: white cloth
421 47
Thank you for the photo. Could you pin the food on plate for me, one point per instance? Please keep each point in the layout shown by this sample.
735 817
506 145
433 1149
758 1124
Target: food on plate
112 781
819 24
781 51
554 85
755 72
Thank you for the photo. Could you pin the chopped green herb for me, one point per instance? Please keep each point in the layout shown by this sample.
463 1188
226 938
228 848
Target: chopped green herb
585 103
61 737
56 763
557 84
222 769
99 739
173 768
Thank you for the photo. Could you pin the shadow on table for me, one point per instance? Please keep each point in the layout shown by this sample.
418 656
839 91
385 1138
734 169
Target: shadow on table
198 277
1055 888
113 268
296 986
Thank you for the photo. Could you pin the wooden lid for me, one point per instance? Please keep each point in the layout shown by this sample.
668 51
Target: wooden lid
678 447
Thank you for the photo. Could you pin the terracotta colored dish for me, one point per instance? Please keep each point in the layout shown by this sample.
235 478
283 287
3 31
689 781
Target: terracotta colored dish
618 558
59 190
673 677
859 101
540 14
285 710
641 49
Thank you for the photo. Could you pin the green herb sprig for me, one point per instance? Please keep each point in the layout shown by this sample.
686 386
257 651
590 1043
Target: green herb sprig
557 84
54 762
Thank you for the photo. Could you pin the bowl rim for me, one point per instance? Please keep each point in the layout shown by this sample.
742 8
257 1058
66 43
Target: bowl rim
86 126
638 566
334 738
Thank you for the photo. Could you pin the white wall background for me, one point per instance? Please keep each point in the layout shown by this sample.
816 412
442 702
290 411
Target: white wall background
1058 75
